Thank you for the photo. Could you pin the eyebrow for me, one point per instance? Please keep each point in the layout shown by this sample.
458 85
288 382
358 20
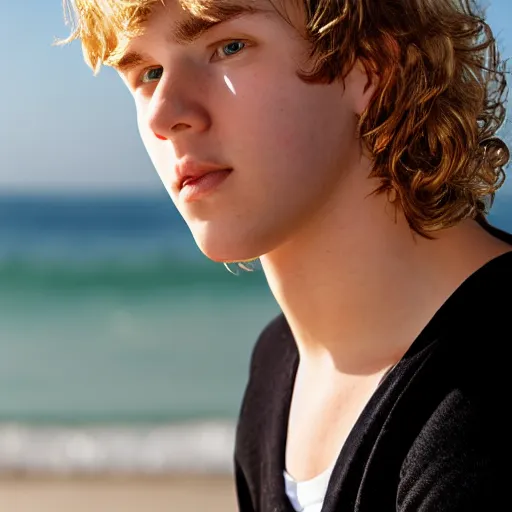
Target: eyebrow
187 31
129 61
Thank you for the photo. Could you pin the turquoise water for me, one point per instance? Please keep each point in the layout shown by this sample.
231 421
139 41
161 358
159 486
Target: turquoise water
109 313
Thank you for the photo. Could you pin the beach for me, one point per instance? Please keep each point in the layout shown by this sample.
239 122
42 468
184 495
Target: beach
184 493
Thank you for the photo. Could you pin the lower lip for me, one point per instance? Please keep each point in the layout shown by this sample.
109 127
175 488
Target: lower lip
200 187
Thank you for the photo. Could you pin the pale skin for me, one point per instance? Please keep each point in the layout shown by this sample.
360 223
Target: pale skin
355 284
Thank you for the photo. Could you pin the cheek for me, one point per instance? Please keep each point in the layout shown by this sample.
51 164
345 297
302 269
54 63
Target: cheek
293 123
293 141
259 120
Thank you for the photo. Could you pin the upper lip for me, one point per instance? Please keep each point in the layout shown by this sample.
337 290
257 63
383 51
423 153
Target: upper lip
189 168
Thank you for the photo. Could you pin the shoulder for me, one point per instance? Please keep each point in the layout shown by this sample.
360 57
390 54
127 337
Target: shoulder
456 462
273 346
475 322
259 423
271 371
457 457
272 366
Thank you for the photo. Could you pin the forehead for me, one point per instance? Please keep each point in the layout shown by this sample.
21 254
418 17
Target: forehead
193 17
186 20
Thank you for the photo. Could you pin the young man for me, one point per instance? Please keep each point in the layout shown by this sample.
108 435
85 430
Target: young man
350 145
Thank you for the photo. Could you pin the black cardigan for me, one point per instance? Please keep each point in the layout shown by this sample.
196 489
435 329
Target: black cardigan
435 436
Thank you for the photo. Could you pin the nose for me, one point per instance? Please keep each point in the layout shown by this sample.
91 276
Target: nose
176 107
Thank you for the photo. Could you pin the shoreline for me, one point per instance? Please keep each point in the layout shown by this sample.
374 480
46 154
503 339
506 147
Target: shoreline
181 448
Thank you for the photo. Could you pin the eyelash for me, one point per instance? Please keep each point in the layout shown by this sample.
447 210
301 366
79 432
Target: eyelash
220 46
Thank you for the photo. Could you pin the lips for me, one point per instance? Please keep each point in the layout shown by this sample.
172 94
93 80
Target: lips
188 180
189 170
196 189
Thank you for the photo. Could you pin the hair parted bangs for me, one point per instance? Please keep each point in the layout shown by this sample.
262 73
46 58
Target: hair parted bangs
430 127
105 26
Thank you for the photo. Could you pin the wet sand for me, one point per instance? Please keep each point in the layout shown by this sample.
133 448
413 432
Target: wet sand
183 493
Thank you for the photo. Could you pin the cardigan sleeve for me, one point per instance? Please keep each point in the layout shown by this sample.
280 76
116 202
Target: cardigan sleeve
458 461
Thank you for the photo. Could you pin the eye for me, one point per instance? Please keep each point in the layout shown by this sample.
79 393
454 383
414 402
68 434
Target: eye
150 75
233 47
229 49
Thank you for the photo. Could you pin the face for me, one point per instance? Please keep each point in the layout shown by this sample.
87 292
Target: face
231 99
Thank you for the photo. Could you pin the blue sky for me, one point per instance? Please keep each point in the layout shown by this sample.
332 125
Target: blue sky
63 129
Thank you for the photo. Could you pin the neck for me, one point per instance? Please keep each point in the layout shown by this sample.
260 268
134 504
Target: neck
357 286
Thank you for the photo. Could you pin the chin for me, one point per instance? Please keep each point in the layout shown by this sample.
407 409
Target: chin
232 243
227 251
224 255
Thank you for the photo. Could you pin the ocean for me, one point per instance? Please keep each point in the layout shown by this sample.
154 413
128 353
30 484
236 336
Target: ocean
123 348
121 345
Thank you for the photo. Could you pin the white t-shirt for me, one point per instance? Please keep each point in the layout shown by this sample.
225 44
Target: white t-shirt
309 495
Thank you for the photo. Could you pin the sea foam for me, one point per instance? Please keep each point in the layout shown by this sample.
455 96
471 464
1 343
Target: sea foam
199 447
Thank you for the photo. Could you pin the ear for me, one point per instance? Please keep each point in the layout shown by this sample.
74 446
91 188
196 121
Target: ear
362 87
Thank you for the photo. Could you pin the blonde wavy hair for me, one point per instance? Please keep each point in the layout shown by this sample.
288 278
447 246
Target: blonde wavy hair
431 125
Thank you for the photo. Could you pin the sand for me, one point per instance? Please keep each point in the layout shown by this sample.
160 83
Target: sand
111 494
